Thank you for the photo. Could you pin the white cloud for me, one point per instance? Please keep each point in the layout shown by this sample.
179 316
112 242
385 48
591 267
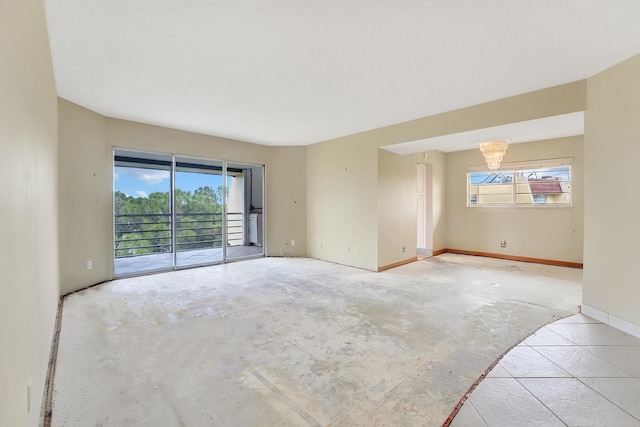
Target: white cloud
148 176
154 177
115 176
143 194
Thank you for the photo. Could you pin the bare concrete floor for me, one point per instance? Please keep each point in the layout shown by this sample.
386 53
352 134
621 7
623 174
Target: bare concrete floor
280 341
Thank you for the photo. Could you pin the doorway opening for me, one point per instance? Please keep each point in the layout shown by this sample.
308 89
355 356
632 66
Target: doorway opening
174 212
424 207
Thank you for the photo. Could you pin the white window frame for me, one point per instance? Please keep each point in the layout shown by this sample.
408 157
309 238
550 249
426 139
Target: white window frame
514 168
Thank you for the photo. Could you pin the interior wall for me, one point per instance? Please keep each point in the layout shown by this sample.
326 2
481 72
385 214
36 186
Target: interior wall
342 202
287 201
563 99
85 194
437 160
139 136
28 210
87 206
612 208
547 233
397 212
342 174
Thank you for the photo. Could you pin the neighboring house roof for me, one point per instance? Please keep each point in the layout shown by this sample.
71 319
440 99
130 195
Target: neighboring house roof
545 186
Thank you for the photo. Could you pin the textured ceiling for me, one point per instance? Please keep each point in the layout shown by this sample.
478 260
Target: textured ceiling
298 72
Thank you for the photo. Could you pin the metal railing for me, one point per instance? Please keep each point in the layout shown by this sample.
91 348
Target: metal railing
145 234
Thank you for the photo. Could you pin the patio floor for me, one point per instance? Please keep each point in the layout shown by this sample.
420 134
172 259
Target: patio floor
157 262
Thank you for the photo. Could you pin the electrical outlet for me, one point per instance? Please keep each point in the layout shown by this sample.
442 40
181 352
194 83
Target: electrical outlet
322 246
404 248
293 243
503 243
89 265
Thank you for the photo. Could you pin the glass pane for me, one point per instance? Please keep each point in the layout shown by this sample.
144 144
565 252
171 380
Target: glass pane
142 212
486 188
199 198
244 210
544 186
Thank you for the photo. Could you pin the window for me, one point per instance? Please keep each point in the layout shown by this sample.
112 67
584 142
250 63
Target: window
175 211
545 183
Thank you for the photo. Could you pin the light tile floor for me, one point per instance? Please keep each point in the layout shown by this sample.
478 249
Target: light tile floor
573 372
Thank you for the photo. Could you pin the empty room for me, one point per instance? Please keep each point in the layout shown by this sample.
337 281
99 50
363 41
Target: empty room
319 213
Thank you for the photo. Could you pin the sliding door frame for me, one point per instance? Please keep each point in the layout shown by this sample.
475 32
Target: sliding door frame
173 215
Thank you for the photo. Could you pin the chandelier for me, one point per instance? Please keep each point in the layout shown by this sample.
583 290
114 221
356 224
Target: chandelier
493 151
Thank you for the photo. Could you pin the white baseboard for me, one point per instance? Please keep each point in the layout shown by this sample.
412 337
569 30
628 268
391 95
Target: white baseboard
427 252
593 312
611 320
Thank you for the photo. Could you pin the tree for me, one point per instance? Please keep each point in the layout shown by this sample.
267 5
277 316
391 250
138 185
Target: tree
143 225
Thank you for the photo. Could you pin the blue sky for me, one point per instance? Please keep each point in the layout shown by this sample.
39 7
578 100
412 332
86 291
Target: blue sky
139 182
561 172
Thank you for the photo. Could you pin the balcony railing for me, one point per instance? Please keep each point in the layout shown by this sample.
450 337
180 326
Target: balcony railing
145 234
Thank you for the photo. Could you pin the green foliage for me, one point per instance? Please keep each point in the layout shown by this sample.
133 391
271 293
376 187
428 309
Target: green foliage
143 225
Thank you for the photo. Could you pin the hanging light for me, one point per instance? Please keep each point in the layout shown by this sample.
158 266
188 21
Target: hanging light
493 151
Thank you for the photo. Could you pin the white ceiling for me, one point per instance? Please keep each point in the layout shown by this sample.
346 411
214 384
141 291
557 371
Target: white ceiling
285 72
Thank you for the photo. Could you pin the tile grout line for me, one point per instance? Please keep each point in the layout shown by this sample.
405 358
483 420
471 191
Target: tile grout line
570 375
581 346
583 349
541 402
478 414
483 375
581 324
614 365
561 336
606 398
554 363
605 360
573 344
579 379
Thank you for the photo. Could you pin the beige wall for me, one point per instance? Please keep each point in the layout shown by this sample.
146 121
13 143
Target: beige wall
397 221
342 203
612 209
362 203
126 134
563 99
287 201
397 224
343 186
28 210
86 213
86 183
548 233
437 160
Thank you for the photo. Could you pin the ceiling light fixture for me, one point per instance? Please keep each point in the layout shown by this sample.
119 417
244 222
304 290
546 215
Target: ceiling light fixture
493 151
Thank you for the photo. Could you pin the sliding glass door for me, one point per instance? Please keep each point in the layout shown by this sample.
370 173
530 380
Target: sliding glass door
199 207
175 211
244 214
142 213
